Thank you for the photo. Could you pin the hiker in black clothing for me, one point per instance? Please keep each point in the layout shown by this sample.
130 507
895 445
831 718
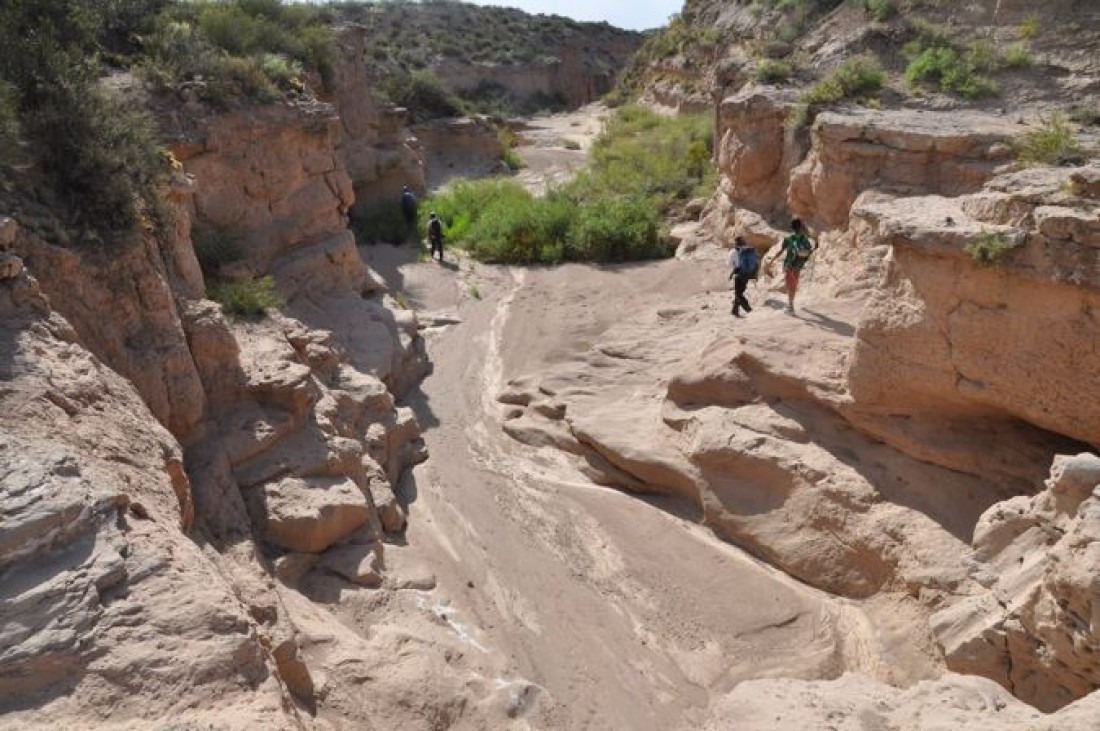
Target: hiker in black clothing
408 208
744 265
435 235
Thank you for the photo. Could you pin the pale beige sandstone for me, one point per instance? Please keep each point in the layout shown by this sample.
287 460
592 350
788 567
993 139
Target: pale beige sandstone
100 584
278 418
855 703
1013 338
902 152
308 514
142 337
755 148
1033 630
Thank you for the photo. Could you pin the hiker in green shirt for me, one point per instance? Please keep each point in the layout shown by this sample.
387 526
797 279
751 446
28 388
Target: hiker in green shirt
796 251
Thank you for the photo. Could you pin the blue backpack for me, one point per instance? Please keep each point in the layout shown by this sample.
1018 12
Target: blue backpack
748 262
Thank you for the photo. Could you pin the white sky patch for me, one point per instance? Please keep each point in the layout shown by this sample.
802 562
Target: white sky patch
633 14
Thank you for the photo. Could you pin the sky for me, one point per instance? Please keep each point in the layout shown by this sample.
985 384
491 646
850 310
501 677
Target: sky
633 14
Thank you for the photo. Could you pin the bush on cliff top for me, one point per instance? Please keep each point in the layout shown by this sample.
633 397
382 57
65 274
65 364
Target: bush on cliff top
94 159
1052 144
239 49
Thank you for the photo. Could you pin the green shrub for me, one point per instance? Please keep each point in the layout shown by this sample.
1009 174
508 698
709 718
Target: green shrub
1017 56
512 159
423 94
249 299
988 249
879 10
982 56
855 77
772 71
929 33
619 229
1052 144
944 67
641 166
98 158
1029 27
518 228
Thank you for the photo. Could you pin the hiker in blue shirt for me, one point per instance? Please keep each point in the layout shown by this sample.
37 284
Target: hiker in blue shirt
408 208
744 265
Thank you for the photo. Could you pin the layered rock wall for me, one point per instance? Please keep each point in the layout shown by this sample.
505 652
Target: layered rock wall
375 145
194 457
1010 337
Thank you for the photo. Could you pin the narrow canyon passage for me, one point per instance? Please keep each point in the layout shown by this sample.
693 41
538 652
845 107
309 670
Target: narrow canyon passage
622 610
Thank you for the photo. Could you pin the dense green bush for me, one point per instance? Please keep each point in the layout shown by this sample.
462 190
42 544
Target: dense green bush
249 299
772 71
855 77
642 166
248 49
935 59
617 229
950 71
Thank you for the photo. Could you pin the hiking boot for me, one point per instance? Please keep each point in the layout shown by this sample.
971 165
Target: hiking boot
747 307
790 309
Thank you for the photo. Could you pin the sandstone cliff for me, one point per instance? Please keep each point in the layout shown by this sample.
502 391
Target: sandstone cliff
887 440
171 475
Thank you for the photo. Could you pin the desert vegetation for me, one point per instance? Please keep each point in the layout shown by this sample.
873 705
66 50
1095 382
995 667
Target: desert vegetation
90 157
643 166
407 40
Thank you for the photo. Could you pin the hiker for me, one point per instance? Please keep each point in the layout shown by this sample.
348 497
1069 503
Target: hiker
796 250
744 265
408 207
435 235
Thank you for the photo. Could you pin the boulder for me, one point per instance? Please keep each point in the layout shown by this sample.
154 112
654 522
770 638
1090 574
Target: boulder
359 564
1033 629
308 514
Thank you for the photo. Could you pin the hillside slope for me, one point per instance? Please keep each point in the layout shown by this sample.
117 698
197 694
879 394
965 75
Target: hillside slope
498 60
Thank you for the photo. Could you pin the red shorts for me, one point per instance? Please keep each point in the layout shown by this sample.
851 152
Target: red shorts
791 276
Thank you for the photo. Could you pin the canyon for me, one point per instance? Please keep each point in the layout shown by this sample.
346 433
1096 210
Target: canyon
459 495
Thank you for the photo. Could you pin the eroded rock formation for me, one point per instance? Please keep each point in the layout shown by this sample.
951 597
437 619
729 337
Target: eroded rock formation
164 464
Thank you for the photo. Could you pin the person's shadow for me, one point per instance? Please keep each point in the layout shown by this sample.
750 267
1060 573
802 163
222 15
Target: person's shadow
829 323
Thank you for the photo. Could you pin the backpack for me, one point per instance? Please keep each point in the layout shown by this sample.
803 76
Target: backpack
748 262
802 247
435 229
408 202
